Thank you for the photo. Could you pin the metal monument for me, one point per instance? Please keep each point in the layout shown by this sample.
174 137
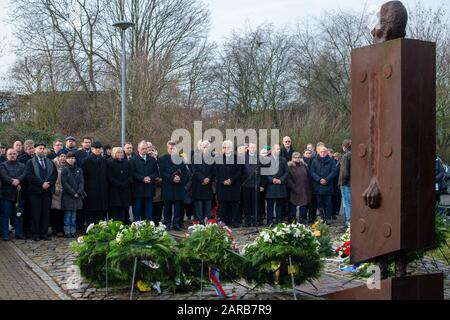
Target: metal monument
394 134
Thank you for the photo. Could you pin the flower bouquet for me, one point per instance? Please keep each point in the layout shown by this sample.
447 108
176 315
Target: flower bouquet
268 256
210 246
93 248
322 232
154 249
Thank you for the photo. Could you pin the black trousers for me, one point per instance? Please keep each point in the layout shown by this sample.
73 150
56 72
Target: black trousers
157 211
40 213
312 209
57 220
25 207
280 205
325 202
229 211
337 198
94 216
119 214
253 206
81 220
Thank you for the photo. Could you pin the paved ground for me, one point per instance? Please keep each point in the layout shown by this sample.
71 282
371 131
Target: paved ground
52 261
17 280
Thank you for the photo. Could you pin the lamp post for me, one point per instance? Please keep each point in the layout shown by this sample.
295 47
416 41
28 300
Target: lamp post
123 25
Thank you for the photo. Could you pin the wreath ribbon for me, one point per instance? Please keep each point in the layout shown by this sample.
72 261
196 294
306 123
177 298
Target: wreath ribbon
214 277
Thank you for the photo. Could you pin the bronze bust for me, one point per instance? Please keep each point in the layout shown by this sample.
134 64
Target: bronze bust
392 22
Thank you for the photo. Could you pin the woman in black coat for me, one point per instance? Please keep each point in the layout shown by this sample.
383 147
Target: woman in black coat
72 181
120 179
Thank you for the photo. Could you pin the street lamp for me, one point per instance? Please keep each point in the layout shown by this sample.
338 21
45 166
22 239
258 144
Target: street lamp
123 25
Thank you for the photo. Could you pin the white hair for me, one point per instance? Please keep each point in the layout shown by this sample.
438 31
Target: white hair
205 143
227 143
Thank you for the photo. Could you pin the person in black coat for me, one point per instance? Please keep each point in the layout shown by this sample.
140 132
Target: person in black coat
202 180
276 190
128 150
323 172
72 181
95 185
2 153
26 153
120 179
287 150
80 155
145 172
174 178
12 174
252 188
228 185
41 175
84 152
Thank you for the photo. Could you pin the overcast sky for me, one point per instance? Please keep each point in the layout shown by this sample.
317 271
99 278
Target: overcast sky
228 15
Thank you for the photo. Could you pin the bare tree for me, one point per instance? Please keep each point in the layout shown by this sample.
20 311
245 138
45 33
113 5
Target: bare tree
253 74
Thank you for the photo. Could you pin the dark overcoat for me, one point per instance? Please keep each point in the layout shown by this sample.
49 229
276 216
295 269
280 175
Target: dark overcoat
72 181
200 172
36 176
299 184
8 171
228 169
277 191
169 189
95 183
323 168
120 179
141 169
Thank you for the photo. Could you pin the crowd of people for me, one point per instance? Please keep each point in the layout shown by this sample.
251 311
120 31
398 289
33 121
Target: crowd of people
60 190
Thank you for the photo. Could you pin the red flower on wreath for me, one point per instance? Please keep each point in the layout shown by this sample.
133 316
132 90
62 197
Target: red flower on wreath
344 249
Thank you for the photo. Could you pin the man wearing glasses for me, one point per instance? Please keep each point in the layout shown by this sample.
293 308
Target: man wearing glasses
287 150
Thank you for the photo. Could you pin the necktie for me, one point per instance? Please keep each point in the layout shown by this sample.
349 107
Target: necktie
42 163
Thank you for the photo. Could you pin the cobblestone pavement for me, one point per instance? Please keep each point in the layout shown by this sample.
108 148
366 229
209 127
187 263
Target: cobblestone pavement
17 280
56 259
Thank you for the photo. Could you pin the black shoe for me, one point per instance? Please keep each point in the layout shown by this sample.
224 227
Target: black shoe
36 238
6 239
177 228
46 238
20 237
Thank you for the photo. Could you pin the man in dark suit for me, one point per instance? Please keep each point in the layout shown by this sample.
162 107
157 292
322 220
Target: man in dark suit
80 155
228 179
145 171
95 185
174 177
84 152
128 149
202 180
287 150
24 200
276 180
12 174
28 152
252 188
41 175
2 153
323 172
